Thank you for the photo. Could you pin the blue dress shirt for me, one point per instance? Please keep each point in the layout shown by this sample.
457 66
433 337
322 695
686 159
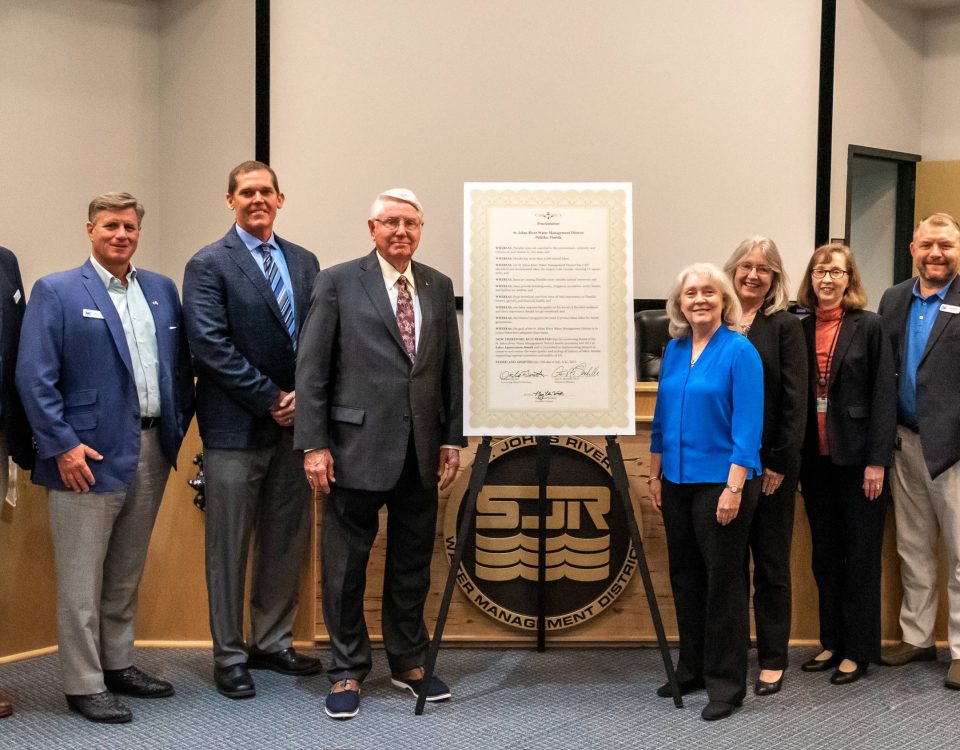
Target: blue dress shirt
253 245
920 320
710 415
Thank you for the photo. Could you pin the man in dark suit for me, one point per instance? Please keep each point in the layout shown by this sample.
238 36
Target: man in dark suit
922 319
104 374
15 441
379 378
244 300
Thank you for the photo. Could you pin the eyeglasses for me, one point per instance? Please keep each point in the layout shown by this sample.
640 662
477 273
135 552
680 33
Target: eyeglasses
835 273
394 222
761 270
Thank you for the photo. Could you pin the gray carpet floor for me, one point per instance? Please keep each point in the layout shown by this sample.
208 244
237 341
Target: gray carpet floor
511 698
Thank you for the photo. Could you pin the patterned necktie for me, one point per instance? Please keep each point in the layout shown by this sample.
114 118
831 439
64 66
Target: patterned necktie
405 317
279 289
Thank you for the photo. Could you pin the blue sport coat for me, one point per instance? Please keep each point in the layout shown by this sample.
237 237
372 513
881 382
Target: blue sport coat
75 376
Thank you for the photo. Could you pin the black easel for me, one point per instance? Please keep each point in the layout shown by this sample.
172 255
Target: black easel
478 475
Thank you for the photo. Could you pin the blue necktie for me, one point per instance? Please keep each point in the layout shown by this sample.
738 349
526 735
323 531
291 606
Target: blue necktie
279 289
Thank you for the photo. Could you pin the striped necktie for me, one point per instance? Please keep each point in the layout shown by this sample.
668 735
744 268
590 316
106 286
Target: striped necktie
279 288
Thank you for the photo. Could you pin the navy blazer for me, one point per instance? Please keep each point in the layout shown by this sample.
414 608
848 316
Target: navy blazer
76 379
242 351
779 340
13 302
359 394
937 401
862 415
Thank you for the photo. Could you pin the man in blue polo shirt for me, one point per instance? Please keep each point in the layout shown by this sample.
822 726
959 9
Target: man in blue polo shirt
922 318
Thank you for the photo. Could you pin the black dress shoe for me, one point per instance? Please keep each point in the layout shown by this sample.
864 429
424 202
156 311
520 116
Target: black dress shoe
845 678
102 707
131 681
821 665
234 682
768 688
287 661
717 710
686 686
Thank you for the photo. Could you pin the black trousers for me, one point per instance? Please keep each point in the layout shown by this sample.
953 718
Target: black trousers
350 525
847 533
771 535
709 588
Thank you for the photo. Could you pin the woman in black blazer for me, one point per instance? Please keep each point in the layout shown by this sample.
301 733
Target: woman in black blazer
756 270
849 440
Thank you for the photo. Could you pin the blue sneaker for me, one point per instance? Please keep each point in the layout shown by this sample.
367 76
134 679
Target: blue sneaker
345 702
438 690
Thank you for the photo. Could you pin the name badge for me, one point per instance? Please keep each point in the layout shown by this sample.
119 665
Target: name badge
16 296
92 314
822 404
950 309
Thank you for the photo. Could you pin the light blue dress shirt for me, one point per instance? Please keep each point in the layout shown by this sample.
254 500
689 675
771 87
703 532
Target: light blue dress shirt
253 244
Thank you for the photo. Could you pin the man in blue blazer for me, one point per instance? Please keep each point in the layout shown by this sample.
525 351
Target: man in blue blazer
104 374
381 417
244 299
922 318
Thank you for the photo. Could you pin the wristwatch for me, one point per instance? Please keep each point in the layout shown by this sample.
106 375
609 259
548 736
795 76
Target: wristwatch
733 488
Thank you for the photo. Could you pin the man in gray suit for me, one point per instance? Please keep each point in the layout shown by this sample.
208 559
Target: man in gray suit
922 318
244 298
380 416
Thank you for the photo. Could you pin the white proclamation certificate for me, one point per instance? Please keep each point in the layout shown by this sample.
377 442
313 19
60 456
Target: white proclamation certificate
548 309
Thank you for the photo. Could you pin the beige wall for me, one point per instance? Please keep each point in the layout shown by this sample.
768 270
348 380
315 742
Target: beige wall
78 83
941 82
207 96
877 87
708 108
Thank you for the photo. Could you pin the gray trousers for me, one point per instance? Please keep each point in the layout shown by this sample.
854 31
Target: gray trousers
100 540
263 494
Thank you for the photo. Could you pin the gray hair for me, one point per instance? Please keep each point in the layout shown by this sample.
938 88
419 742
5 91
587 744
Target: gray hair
403 195
730 315
114 202
778 296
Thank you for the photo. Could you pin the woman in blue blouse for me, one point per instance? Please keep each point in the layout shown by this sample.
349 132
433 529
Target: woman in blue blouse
704 464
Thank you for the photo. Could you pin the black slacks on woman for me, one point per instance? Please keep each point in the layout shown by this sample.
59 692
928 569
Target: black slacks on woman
709 588
847 533
771 534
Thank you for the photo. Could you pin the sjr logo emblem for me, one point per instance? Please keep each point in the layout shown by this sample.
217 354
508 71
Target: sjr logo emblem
589 557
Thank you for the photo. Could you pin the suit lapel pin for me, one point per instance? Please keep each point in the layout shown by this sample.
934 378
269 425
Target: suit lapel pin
155 303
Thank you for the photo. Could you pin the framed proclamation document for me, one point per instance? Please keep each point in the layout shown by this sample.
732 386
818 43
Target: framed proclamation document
548 309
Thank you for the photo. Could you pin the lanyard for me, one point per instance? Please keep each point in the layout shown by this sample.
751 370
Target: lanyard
823 377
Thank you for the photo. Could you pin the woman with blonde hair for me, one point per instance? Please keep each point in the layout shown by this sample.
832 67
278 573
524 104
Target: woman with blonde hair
704 464
760 283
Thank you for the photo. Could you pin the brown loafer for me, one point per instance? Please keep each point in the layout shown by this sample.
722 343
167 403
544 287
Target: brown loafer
904 653
953 675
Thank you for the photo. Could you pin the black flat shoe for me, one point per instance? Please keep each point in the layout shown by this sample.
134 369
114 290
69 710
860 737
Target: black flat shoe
768 688
686 686
717 710
845 678
821 665
234 682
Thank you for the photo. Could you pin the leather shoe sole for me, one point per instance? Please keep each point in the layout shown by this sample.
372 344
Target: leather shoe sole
686 686
768 688
287 662
234 682
845 678
821 665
